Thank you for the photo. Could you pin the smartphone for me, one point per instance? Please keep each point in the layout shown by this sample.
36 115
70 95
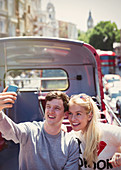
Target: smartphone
12 88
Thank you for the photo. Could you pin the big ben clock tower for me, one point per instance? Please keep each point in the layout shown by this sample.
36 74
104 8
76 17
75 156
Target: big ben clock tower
90 21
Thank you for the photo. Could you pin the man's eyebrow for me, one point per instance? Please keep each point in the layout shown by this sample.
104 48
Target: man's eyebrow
57 105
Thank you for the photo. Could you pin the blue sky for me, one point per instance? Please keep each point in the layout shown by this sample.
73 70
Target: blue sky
77 11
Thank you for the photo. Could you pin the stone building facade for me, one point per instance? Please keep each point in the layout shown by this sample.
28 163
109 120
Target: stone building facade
26 18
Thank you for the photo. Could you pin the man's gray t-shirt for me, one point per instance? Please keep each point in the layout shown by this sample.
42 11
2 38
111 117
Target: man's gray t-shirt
39 150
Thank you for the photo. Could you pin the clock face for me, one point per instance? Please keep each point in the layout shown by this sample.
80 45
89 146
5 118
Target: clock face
89 23
51 11
50 7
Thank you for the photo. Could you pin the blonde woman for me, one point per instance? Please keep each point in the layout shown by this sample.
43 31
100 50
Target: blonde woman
99 142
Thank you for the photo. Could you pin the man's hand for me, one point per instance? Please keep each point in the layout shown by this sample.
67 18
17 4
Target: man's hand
116 160
7 99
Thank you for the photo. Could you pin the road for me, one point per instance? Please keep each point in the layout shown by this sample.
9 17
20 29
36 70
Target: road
118 71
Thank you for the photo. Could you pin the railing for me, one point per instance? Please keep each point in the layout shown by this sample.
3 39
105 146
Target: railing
112 114
39 82
38 78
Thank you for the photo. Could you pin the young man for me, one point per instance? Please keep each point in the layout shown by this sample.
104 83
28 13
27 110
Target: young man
43 145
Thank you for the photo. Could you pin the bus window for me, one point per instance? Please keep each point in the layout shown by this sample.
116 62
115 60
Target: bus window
44 79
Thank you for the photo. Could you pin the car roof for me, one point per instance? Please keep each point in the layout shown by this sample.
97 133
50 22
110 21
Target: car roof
111 76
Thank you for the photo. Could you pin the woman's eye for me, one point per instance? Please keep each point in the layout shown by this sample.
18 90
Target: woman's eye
78 114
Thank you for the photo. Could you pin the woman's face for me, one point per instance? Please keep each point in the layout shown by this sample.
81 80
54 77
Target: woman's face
78 117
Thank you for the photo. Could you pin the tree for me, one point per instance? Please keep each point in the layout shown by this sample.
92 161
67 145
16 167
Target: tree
84 36
103 35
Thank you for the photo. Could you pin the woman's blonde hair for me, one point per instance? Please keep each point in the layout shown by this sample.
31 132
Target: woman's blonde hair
91 135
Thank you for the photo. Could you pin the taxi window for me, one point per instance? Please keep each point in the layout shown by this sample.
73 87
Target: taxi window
44 79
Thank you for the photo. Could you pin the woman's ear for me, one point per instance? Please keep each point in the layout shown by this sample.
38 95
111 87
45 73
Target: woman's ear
90 115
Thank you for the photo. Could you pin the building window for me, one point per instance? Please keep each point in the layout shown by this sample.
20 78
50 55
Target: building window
22 27
12 29
3 25
2 4
21 10
11 8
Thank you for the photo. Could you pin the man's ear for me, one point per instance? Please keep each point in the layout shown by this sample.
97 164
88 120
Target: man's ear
66 114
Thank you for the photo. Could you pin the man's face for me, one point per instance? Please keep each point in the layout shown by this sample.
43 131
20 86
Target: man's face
54 112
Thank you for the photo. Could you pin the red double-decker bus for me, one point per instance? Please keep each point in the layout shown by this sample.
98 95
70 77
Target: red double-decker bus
38 65
108 61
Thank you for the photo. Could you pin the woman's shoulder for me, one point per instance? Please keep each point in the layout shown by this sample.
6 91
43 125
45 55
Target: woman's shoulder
77 135
111 133
105 127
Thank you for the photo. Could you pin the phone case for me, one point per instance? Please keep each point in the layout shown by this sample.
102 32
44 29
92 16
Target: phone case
12 88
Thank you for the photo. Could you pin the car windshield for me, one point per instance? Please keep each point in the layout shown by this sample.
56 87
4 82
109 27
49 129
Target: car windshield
114 95
112 80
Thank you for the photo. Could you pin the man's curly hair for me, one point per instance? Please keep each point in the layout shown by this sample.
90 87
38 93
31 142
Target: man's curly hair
58 95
